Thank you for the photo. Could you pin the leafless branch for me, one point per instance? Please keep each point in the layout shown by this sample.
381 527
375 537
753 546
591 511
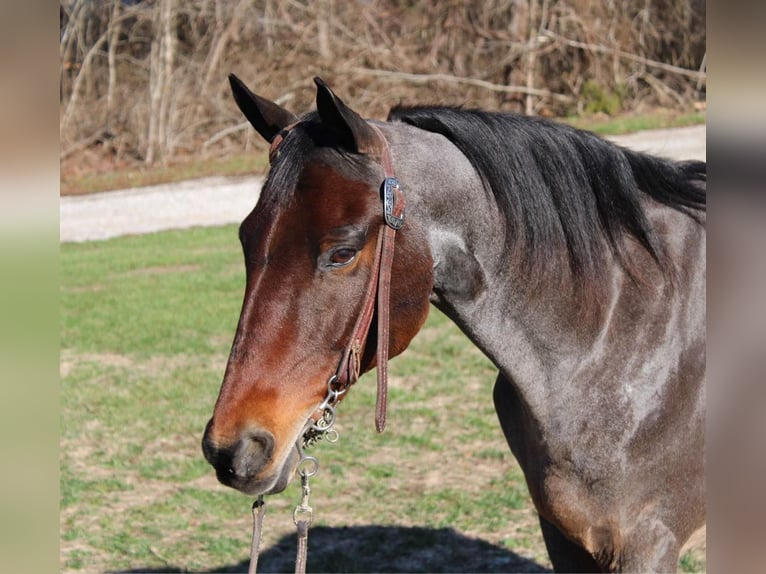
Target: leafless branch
427 78
223 133
695 74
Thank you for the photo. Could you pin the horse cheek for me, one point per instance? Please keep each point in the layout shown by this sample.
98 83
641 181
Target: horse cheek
412 281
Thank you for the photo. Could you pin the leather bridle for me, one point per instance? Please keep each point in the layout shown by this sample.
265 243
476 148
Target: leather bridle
377 291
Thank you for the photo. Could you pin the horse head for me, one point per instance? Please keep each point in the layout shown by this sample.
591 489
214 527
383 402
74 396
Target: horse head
310 248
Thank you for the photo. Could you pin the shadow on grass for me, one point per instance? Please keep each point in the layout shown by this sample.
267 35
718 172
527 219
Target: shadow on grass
383 549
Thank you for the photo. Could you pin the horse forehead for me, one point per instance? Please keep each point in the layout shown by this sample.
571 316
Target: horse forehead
329 197
323 199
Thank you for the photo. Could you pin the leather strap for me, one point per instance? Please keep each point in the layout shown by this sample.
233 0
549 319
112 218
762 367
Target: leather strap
393 200
350 364
277 140
384 292
259 509
303 547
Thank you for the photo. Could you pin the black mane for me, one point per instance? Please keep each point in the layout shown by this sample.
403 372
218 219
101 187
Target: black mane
563 189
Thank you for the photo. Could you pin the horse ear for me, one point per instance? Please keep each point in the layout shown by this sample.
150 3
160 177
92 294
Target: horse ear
267 118
354 133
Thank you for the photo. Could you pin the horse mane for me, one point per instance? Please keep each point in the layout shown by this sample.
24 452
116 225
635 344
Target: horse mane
565 192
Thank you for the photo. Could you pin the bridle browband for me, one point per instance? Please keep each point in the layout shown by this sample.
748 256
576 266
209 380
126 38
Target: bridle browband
378 290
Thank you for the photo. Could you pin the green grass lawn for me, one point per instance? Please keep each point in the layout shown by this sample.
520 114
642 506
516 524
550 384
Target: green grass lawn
146 324
629 123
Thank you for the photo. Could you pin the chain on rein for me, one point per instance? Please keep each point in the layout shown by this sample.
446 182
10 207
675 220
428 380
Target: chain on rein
321 425
308 466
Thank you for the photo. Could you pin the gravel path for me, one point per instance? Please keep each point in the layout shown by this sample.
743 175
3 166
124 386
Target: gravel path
222 200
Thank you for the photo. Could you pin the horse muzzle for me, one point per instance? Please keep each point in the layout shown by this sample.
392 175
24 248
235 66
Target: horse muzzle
247 463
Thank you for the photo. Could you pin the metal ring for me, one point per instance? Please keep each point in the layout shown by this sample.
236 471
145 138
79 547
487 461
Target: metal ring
332 435
313 466
334 392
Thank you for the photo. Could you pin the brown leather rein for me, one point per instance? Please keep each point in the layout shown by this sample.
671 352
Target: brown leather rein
378 290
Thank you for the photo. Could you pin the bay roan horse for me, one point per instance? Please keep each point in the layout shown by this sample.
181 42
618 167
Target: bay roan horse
576 266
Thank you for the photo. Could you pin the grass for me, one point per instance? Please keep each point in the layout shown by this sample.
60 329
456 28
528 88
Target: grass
145 328
630 123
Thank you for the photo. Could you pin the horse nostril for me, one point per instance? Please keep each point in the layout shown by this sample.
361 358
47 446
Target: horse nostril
257 447
241 460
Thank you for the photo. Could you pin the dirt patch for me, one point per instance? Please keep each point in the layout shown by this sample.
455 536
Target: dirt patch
69 360
160 270
84 288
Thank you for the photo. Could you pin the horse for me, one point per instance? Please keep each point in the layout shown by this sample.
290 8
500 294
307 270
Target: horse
575 265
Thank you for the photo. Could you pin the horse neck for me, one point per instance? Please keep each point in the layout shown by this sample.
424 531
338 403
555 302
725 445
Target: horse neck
473 270
537 342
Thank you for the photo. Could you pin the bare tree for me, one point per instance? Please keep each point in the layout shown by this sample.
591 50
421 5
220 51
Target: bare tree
152 73
160 78
114 39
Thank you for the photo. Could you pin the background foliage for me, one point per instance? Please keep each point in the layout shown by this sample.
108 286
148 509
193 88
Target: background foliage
145 80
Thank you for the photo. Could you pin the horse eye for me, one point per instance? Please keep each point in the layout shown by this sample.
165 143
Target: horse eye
342 256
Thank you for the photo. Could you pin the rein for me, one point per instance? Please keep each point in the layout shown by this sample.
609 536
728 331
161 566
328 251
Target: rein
378 291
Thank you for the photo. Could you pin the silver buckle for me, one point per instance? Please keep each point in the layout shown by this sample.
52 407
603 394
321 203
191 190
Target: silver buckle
390 184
